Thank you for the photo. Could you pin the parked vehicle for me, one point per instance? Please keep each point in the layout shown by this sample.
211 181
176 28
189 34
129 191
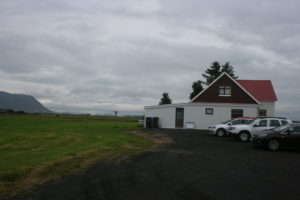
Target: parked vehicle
221 130
244 132
283 136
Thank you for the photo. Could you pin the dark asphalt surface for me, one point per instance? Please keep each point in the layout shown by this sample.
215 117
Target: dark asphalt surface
194 166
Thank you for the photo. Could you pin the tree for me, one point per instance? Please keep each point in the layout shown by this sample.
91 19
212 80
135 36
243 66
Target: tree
229 70
165 99
212 73
216 70
197 88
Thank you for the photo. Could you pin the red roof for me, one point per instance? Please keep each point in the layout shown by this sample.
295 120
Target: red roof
262 90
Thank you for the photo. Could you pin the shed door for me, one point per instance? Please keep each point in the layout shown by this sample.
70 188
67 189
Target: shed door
179 117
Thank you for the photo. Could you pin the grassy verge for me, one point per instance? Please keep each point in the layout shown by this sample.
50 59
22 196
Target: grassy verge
35 149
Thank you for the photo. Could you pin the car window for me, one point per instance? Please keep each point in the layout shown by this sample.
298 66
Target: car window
262 123
235 122
227 122
246 121
280 128
283 122
254 122
274 122
295 130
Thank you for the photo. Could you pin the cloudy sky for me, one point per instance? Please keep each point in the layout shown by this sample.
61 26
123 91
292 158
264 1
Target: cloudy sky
102 55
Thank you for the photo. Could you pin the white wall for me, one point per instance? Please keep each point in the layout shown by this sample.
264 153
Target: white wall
166 115
221 113
269 106
195 112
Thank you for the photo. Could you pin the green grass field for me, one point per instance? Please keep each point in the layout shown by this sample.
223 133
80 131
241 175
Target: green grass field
37 148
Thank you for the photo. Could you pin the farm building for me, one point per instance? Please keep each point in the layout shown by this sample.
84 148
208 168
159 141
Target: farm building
223 99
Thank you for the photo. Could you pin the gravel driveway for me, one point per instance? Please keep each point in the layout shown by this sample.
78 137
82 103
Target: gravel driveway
194 166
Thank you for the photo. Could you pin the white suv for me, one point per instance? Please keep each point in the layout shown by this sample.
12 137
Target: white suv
222 129
244 132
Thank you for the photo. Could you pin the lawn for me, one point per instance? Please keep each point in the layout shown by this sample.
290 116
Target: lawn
37 148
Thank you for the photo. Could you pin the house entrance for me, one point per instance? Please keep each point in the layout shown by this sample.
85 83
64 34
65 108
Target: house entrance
179 117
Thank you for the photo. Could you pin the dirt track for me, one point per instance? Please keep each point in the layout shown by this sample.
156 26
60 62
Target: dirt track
194 166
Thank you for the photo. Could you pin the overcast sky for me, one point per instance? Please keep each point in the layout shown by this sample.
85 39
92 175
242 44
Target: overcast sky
102 55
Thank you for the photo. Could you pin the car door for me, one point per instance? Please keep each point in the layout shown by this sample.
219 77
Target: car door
293 136
260 126
274 123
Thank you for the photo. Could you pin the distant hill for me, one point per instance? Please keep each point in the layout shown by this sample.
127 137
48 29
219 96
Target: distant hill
21 102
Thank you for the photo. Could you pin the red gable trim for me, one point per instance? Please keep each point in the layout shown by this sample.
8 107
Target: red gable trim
261 89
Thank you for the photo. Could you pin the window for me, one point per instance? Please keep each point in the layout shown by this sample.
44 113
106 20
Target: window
246 121
284 122
235 122
209 111
295 130
224 91
274 122
236 113
262 123
262 113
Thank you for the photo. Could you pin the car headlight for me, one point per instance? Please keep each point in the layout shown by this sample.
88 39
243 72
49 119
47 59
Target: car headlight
232 128
211 127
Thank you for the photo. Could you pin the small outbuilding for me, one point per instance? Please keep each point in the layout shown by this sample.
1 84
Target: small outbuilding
223 99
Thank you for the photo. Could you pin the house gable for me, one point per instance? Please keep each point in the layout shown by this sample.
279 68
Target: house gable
238 93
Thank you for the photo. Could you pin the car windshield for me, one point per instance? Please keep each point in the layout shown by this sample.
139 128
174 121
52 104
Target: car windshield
280 128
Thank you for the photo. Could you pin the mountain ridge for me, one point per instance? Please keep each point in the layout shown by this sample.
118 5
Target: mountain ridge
21 102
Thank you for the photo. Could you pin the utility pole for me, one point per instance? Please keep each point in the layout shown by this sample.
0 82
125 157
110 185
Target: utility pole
116 113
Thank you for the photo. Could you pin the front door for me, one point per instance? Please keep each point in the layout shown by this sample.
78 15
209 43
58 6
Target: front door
179 118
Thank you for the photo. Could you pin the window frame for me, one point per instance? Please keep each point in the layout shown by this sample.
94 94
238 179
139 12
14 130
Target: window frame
267 122
223 91
207 111
262 110
273 120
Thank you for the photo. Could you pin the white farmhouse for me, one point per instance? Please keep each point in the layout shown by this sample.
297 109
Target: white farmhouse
223 99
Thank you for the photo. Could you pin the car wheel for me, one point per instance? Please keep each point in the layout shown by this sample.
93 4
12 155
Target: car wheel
244 136
221 133
273 145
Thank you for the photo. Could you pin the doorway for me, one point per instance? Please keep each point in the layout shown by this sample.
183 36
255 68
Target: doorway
179 117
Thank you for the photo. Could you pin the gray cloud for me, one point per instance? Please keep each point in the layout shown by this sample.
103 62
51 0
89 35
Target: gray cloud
99 56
